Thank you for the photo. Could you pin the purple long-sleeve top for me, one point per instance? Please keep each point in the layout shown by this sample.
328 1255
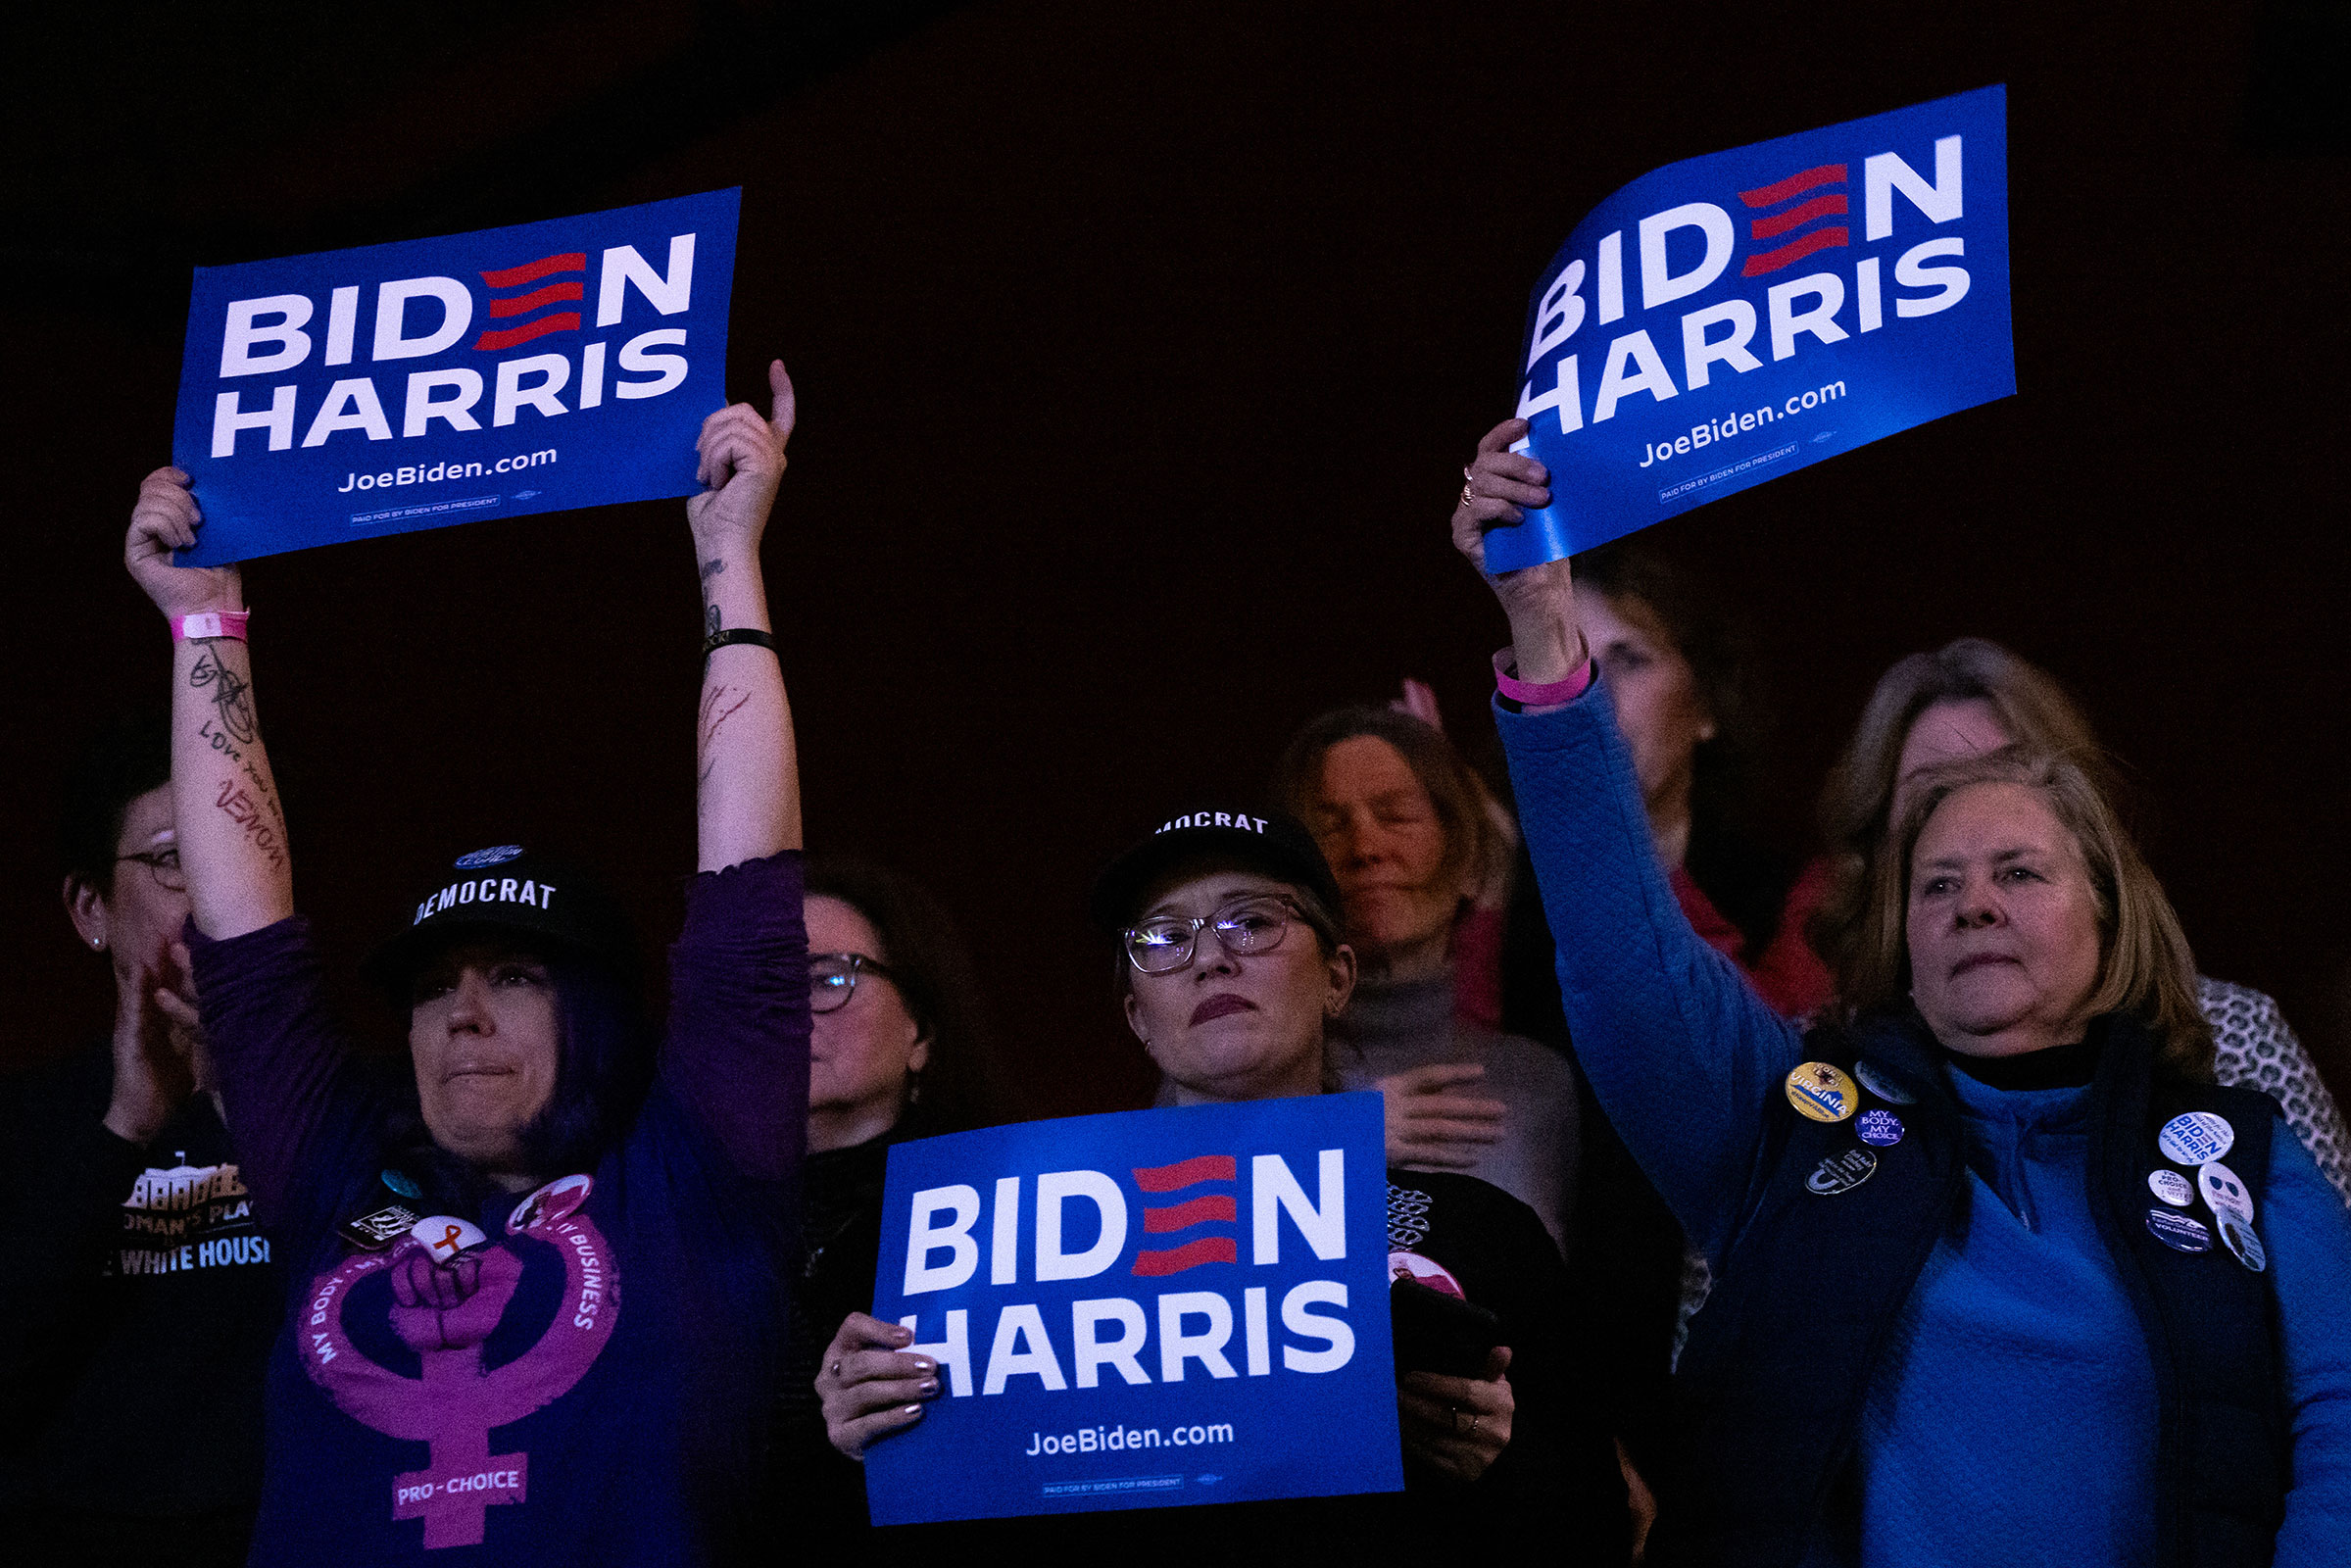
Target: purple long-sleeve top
602 1393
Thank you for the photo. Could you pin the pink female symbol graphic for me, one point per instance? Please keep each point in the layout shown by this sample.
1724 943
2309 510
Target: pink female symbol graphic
444 1313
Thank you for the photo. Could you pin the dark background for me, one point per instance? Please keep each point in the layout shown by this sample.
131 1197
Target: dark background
1139 347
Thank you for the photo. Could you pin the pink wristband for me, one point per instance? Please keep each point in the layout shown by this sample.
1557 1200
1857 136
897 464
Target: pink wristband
1549 695
215 623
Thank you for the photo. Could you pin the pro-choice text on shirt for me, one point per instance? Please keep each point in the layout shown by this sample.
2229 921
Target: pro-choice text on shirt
1145 1272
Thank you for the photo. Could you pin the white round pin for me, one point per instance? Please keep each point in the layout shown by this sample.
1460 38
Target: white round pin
2238 1238
2194 1136
445 1236
2172 1187
2225 1191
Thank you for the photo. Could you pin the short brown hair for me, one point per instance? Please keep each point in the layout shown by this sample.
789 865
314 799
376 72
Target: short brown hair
2144 967
1857 799
1472 840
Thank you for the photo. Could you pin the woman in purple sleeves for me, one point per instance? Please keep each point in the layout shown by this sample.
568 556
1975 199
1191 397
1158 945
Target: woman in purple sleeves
537 1284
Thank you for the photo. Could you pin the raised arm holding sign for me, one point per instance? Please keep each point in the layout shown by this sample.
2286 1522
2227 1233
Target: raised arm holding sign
1729 319
549 1176
1941 1191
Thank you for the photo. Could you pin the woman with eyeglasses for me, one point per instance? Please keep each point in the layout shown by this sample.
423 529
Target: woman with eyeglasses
539 1276
1230 971
897 1052
103 1340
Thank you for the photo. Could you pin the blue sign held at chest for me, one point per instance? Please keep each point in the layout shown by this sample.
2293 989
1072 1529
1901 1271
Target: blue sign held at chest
1141 1310
428 382
1729 319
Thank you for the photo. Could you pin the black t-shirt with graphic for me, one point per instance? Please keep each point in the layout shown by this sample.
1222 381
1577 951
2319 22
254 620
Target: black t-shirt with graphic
137 1310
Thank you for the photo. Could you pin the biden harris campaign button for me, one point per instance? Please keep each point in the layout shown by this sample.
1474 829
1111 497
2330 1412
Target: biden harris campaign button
2195 1137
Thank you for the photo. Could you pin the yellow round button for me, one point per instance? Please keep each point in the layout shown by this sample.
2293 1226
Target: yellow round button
1822 1092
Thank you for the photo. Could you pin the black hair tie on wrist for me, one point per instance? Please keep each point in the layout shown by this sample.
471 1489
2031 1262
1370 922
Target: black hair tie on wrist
741 634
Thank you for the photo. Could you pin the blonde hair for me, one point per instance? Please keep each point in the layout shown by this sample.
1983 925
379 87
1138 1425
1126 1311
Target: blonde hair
2144 967
1857 799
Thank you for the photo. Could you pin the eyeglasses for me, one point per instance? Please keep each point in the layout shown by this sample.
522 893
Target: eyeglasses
1243 927
163 866
833 978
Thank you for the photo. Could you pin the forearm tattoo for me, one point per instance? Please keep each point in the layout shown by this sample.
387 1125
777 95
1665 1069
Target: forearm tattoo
257 810
718 704
709 611
231 695
241 810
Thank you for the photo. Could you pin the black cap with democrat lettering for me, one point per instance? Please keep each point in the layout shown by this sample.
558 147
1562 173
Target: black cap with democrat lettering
1268 841
505 892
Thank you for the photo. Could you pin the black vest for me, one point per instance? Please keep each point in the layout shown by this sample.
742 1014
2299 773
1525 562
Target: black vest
1766 1438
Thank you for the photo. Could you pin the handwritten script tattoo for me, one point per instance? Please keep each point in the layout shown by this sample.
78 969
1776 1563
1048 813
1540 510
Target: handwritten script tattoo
231 695
711 568
718 704
240 810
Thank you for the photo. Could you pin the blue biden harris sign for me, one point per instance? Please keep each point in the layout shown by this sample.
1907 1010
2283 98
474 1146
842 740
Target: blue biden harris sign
1140 1311
1730 319
435 382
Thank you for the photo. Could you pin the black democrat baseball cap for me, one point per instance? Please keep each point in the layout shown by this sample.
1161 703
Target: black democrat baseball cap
1271 842
509 892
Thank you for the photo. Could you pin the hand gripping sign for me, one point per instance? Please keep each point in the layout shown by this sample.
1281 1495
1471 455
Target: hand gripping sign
1141 1310
1730 319
435 382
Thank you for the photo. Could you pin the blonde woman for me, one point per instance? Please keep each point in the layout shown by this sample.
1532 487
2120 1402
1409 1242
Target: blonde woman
1978 1305
1971 697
